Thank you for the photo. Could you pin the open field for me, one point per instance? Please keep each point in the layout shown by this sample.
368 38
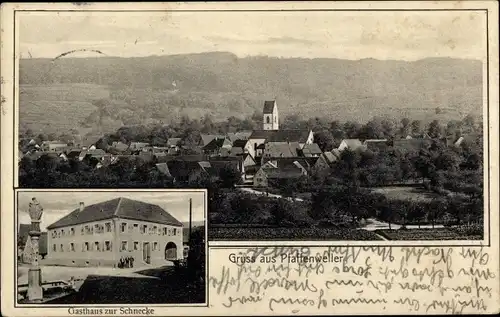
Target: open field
405 193
426 234
288 234
57 107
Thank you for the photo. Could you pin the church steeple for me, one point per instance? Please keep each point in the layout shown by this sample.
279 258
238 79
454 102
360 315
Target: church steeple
270 116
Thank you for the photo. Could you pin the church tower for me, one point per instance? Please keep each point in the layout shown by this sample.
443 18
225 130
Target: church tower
270 118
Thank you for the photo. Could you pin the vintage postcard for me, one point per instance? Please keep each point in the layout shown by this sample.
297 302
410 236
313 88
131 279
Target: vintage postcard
239 158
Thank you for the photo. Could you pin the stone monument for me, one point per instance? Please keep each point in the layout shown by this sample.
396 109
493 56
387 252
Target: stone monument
35 291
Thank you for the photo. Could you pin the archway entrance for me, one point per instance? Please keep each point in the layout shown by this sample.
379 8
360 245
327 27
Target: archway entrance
171 251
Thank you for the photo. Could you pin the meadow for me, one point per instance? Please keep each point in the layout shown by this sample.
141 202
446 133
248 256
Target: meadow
57 107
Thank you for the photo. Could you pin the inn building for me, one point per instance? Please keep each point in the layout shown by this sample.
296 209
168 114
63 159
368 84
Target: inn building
101 234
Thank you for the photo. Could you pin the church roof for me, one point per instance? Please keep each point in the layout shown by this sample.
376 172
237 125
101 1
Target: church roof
117 208
281 135
269 106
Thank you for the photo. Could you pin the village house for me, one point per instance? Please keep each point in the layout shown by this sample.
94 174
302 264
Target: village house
54 146
119 146
267 175
311 150
174 143
216 146
325 161
207 138
239 163
191 170
240 135
239 147
275 150
351 144
101 234
137 146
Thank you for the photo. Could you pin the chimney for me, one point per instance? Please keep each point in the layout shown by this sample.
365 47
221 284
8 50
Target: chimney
82 206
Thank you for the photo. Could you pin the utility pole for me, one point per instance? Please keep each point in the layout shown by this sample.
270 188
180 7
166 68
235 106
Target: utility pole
190 218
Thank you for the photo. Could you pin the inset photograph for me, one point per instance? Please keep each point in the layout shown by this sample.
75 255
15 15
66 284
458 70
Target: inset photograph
111 247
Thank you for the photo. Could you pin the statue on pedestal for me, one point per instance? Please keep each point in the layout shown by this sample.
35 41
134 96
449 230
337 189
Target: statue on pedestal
35 291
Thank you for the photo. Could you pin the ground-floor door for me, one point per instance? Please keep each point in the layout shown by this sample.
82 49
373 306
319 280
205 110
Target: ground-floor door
146 253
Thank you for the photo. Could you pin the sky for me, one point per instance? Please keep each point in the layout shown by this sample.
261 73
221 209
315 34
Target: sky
345 35
58 204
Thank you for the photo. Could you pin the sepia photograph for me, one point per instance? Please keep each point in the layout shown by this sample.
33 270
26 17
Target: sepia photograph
303 125
111 247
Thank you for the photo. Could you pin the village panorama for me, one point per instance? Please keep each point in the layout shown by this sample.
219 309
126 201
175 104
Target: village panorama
292 179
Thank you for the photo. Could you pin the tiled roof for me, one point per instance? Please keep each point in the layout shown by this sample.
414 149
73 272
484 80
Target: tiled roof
117 208
240 143
269 106
163 168
226 158
330 157
236 150
289 136
311 149
216 144
283 173
240 135
207 138
261 134
281 149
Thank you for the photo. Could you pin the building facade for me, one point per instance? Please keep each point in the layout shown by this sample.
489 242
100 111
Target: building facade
103 233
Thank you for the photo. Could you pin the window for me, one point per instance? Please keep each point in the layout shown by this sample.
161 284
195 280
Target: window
175 231
54 234
97 228
165 231
72 231
62 232
136 246
123 226
72 247
143 229
268 120
107 245
97 248
61 247
155 246
86 247
108 226
275 119
124 246
54 248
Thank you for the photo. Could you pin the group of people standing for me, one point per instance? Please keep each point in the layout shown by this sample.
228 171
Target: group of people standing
126 262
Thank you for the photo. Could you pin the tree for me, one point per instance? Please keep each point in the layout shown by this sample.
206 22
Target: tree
435 130
416 127
229 176
325 140
405 127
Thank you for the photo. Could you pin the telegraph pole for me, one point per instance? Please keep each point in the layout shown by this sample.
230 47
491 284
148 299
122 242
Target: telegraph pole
190 218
